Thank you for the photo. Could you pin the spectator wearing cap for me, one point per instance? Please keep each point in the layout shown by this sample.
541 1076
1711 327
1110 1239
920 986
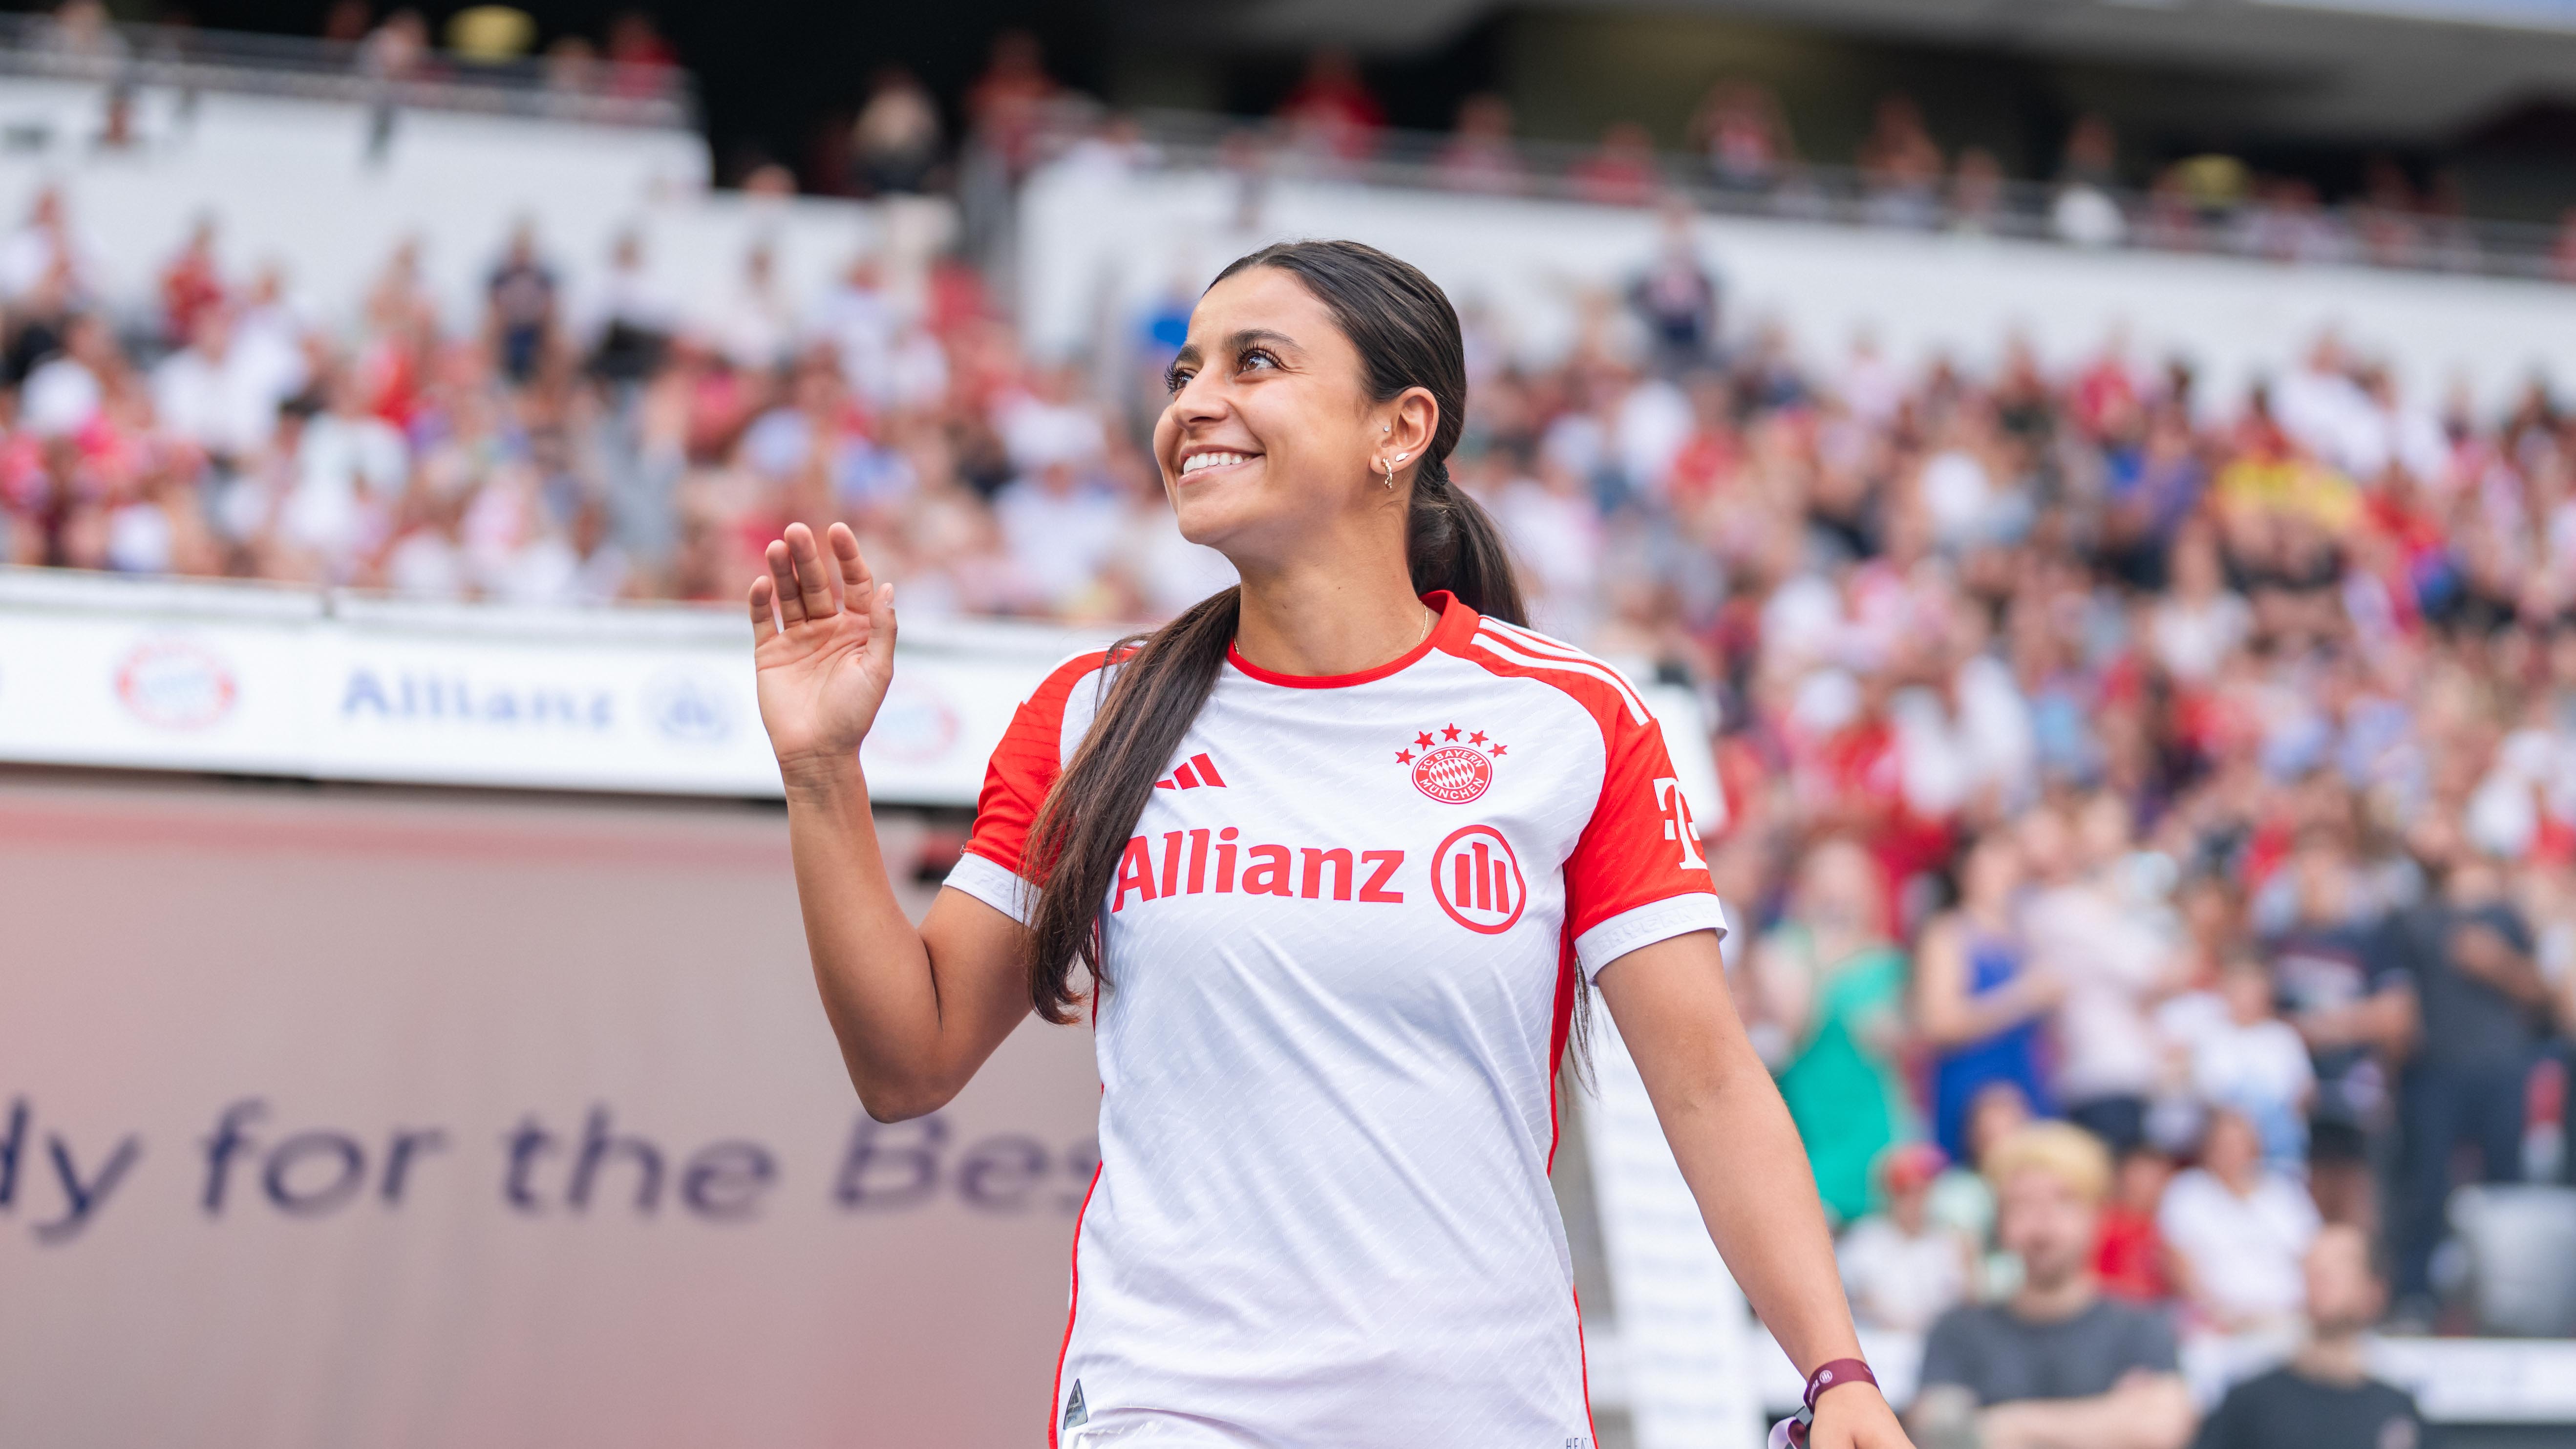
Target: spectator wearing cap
2324 1397
1901 1268
2057 1365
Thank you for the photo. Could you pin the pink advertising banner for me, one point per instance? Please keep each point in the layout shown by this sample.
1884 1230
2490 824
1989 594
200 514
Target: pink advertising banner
335 1116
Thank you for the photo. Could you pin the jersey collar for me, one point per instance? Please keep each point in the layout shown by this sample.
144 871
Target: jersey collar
1457 621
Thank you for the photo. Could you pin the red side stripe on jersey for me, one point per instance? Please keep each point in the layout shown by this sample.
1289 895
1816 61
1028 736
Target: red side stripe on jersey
1073 1304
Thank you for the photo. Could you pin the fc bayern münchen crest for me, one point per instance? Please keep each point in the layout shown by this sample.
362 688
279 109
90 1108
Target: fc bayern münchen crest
1456 767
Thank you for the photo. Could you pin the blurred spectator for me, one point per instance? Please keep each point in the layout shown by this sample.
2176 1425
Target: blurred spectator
2483 1008
631 321
1979 1003
2238 1229
2056 1363
1330 114
2095 926
2131 1260
1900 166
2084 210
520 300
1833 985
1480 155
397 49
1740 130
1977 196
2339 974
895 144
1007 104
1902 1269
1621 171
64 394
2239 1054
42 253
2324 1397
641 63
80 30
1676 297
1963 1196
191 285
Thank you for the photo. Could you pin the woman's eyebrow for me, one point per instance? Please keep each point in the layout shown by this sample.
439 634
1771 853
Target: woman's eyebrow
1251 337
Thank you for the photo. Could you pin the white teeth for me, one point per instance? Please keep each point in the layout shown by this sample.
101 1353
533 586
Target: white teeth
1197 461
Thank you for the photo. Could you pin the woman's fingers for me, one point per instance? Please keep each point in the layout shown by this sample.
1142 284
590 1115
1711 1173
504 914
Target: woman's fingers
782 574
856 582
808 557
764 611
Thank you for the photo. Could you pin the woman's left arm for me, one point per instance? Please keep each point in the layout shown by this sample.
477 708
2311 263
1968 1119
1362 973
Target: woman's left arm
1740 1153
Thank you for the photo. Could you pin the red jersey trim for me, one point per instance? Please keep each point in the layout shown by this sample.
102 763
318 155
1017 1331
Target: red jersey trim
1073 1305
1456 619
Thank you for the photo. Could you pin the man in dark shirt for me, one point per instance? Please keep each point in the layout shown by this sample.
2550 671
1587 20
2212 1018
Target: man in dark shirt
2342 980
2483 1004
2324 1398
2057 1366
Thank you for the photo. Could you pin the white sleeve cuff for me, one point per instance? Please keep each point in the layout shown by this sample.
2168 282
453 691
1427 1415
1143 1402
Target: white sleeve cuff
1644 926
995 886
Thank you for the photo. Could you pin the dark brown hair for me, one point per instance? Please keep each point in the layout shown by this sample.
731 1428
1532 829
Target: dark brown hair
1406 334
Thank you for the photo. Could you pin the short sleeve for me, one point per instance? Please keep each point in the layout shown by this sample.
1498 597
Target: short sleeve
2153 1345
1946 1355
1636 875
1023 768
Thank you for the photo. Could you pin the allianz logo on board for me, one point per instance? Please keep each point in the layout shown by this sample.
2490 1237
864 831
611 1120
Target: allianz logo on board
423 695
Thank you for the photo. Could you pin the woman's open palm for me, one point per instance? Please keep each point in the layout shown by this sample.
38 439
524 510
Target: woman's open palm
823 644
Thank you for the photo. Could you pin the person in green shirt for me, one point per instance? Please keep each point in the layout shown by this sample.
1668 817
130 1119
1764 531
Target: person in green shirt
1833 984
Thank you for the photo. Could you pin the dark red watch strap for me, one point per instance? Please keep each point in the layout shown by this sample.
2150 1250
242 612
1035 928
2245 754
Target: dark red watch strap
1837 1371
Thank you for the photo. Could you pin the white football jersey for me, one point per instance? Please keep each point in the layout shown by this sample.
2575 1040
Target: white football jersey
1342 950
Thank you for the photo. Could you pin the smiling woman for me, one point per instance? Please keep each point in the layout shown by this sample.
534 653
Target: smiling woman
1322 1213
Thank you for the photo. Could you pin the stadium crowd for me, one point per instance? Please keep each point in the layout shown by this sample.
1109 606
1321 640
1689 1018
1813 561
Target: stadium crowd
2199 771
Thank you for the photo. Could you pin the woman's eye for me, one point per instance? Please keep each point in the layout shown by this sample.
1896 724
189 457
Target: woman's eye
1174 379
1255 358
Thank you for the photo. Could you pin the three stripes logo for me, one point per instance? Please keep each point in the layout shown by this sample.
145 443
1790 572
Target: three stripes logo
1200 771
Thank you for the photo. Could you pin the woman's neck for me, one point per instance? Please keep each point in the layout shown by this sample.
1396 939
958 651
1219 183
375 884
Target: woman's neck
1325 621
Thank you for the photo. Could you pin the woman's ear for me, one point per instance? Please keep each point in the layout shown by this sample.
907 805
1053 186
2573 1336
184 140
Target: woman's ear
1414 423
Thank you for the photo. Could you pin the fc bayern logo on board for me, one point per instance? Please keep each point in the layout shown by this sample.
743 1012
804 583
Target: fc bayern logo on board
173 684
1477 880
1455 767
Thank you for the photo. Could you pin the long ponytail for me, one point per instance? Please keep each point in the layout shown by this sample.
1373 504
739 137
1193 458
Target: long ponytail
1407 336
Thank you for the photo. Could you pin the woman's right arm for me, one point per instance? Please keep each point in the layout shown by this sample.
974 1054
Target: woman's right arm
916 1011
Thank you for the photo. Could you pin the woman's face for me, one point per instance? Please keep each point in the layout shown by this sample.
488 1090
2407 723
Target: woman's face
1270 437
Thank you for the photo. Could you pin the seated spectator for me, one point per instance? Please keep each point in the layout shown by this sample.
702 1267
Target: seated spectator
1964 1198
1331 115
2324 1397
1740 130
1621 171
2091 929
2057 1364
1901 166
1978 1001
2131 1260
1900 1268
895 143
2240 1054
1479 155
65 392
1676 297
2238 1230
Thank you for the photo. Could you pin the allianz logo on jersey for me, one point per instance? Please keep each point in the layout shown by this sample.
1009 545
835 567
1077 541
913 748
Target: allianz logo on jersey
1475 877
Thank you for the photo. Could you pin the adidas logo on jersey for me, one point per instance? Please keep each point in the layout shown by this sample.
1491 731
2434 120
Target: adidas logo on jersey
1199 771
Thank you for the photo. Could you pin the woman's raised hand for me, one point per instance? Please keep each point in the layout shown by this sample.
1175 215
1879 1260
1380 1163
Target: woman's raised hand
823 643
